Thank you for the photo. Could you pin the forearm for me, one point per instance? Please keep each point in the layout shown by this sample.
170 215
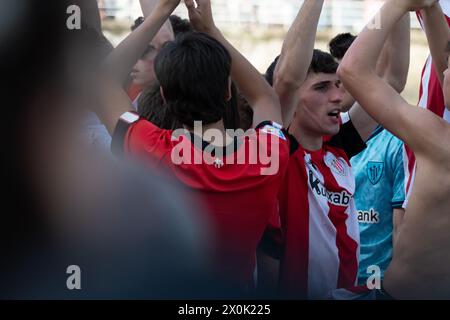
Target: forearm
364 52
251 84
120 62
297 51
438 36
147 6
397 219
397 54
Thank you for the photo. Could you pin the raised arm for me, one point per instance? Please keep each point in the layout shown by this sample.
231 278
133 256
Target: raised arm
438 35
147 6
295 59
392 66
114 100
420 129
121 61
260 96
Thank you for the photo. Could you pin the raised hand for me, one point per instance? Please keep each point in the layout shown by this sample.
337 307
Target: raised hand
200 15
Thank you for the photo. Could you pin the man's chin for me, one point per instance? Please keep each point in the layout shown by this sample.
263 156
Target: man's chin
332 131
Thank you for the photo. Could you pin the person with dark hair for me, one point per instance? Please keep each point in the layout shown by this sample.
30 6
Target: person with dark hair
222 169
68 208
179 25
320 238
340 44
319 220
151 106
143 74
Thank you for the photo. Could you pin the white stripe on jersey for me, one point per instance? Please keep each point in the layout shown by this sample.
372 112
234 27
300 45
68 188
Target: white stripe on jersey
323 252
423 102
323 259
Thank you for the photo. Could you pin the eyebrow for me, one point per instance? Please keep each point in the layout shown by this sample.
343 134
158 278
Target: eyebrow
447 48
322 83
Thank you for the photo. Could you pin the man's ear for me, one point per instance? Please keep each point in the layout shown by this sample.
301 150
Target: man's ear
228 94
161 90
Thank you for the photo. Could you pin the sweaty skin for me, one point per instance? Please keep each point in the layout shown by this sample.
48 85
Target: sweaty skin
421 264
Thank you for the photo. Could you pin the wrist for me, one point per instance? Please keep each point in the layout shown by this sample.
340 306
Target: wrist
213 32
165 8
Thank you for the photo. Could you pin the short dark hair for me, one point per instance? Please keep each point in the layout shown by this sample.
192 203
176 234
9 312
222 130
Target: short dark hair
151 107
322 62
137 23
238 114
271 70
194 71
180 25
340 44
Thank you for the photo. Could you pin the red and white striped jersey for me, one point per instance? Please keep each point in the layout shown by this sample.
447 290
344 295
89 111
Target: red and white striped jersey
319 219
431 98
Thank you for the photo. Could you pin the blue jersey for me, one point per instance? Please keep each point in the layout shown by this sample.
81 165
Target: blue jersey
380 188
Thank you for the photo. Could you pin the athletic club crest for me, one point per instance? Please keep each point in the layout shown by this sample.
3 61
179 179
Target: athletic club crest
337 165
218 163
374 171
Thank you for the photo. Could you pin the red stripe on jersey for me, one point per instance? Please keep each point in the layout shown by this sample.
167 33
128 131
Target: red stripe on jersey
320 224
294 263
347 247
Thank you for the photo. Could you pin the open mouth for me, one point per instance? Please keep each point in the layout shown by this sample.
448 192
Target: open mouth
334 113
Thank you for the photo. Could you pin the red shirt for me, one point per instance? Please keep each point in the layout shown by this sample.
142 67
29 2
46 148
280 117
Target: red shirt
319 219
238 199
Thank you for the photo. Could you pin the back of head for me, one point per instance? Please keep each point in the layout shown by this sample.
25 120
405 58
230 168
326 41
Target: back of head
151 107
193 72
340 44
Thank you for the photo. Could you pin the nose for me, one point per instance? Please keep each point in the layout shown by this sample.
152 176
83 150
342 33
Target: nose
337 94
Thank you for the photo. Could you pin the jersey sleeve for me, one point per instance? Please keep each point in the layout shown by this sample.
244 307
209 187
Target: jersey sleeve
398 177
348 139
137 136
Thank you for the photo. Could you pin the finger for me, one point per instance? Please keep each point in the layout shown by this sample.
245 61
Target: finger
190 4
204 5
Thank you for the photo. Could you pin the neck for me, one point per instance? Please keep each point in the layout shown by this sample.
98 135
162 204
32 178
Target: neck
214 133
308 140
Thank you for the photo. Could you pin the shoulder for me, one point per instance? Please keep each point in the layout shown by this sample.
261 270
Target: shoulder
134 133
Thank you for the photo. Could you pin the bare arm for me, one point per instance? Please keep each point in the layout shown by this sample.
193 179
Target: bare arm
114 100
295 59
420 129
260 96
438 35
121 61
397 219
147 6
392 67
